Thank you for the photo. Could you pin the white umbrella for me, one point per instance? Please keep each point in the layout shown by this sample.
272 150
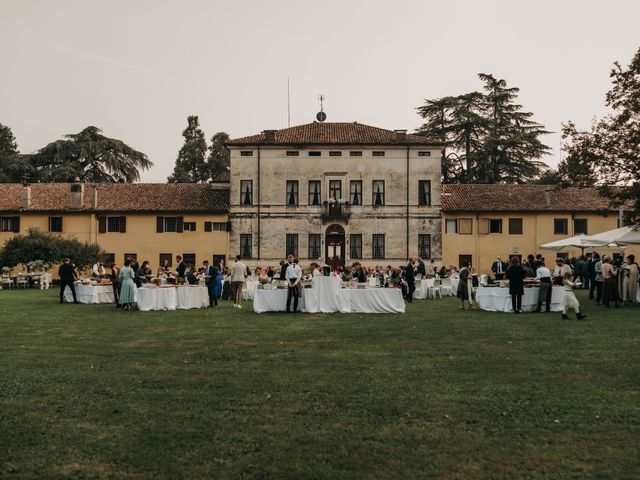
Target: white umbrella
619 236
579 241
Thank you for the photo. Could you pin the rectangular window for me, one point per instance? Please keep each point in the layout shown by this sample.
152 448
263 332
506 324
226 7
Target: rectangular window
335 189
356 192
424 154
580 226
130 256
189 226
246 192
424 245
315 154
112 224
246 245
378 192
291 244
515 226
465 226
189 259
218 226
170 224
560 226
451 225
246 153
462 259
109 258
355 154
314 192
292 153
335 154
292 192
314 245
55 224
377 243
495 225
424 192
378 153
168 257
355 241
10 224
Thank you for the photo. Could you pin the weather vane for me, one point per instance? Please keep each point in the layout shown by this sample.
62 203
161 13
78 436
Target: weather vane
321 116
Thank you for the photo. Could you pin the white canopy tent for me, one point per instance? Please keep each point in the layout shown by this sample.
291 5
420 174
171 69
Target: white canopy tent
579 241
621 236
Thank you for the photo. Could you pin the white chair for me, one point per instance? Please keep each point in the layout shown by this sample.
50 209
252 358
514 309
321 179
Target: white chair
434 290
7 282
45 281
22 280
446 287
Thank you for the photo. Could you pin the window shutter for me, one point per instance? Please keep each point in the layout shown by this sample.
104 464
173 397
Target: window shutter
16 225
228 226
207 226
123 224
179 224
483 226
159 224
102 224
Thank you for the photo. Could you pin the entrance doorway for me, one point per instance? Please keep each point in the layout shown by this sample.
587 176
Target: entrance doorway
335 246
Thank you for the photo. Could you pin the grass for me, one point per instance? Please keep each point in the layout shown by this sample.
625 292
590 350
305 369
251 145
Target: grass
95 392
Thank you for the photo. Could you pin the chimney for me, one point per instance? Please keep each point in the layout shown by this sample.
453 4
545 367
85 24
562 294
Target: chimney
26 196
270 135
401 136
547 198
95 197
77 191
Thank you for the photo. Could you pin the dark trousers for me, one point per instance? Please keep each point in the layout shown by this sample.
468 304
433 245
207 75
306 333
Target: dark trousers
516 302
545 295
598 287
63 285
586 282
610 291
411 287
116 292
292 292
211 288
592 287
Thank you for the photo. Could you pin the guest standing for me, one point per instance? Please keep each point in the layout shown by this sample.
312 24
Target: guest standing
516 274
631 272
609 279
498 269
410 278
294 277
68 275
180 269
591 273
570 300
464 286
543 274
238 276
115 283
421 269
598 280
128 288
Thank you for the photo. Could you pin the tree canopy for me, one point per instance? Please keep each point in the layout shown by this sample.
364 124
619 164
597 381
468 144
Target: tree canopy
9 155
218 161
489 137
191 166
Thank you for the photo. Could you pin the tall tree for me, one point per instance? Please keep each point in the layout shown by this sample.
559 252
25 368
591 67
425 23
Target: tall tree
218 161
8 154
89 156
489 138
191 166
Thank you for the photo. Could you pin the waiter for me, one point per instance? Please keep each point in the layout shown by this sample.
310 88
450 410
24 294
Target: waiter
68 275
284 266
543 274
498 268
410 278
294 277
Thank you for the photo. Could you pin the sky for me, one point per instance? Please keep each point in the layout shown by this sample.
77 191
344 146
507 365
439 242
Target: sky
137 69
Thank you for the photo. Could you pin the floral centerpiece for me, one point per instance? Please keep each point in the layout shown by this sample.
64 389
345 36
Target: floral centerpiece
37 266
6 270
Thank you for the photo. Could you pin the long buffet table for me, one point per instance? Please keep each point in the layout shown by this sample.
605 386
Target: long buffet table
497 299
327 296
147 297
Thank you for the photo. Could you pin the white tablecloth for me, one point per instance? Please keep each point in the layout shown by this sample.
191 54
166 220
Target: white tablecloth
91 294
172 298
249 289
276 300
497 299
326 296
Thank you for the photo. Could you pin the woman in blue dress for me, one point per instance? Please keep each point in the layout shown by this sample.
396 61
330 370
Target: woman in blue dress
127 290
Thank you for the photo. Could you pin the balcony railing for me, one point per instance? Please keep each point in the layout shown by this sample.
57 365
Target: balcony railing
332 211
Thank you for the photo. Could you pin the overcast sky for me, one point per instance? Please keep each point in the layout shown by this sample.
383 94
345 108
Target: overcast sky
137 69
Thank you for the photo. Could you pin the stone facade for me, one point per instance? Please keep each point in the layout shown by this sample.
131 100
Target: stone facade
368 193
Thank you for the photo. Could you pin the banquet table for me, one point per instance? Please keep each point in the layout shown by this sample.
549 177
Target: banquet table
249 290
327 296
172 298
90 293
497 299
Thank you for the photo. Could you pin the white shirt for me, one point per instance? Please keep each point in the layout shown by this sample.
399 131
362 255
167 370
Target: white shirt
97 269
543 272
294 272
498 266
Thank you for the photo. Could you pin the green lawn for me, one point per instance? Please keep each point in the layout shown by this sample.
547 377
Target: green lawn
95 392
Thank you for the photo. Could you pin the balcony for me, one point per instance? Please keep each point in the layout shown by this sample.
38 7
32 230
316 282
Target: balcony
335 211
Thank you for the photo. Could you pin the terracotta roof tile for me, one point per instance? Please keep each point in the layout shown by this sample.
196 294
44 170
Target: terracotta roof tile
119 197
333 134
523 198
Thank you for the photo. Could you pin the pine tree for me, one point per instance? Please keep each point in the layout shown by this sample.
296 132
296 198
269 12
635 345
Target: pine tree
8 154
190 165
218 161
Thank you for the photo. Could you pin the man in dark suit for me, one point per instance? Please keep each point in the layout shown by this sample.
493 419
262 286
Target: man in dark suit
180 269
421 269
212 273
67 274
498 268
410 278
